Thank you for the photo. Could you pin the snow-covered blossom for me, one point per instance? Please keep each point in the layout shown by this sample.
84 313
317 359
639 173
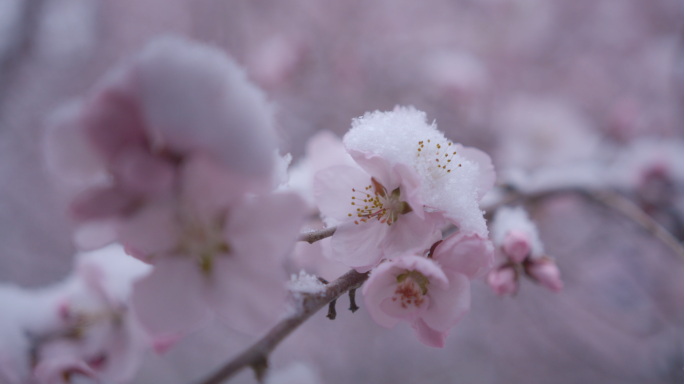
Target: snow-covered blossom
520 251
83 326
121 148
411 180
162 155
516 235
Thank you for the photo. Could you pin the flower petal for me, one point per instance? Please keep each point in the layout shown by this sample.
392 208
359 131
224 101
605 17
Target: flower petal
448 306
358 245
487 175
247 292
469 254
410 233
171 299
381 285
333 190
429 336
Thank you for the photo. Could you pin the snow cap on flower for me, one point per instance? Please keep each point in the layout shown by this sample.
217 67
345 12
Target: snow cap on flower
121 148
516 234
453 178
417 290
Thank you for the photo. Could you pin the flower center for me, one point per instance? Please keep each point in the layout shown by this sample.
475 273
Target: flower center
411 289
436 158
203 241
375 202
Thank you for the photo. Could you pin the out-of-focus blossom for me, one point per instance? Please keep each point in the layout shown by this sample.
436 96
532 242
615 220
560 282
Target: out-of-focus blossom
466 253
122 148
227 259
520 251
83 326
516 235
417 290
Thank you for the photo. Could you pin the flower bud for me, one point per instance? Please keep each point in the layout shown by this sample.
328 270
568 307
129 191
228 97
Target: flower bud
504 280
546 272
517 245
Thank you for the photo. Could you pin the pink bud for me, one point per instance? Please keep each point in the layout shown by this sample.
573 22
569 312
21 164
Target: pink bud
546 272
517 245
504 281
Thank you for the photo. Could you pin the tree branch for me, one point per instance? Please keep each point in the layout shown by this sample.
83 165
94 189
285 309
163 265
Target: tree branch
257 355
607 198
314 236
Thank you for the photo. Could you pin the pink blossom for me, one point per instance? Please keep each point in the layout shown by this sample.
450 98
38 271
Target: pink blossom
515 235
452 179
120 149
503 280
61 367
417 290
545 272
380 212
224 257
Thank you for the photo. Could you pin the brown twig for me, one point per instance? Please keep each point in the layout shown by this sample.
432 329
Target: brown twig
257 355
314 236
625 206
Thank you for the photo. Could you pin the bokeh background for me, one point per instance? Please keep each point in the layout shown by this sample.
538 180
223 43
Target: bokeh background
535 83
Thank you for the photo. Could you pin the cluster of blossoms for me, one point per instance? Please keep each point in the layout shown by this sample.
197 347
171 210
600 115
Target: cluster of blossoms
407 181
520 251
172 160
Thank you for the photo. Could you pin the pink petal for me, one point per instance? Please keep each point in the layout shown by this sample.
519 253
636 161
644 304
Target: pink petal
113 121
358 245
469 254
152 231
487 174
248 291
333 190
448 306
171 299
427 267
139 171
429 336
517 245
381 285
410 233
410 188
96 203
264 229
378 167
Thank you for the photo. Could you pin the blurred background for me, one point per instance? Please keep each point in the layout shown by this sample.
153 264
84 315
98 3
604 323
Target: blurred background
535 83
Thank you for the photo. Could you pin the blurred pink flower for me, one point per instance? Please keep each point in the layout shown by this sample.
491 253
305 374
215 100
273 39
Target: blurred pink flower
417 290
226 258
121 149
